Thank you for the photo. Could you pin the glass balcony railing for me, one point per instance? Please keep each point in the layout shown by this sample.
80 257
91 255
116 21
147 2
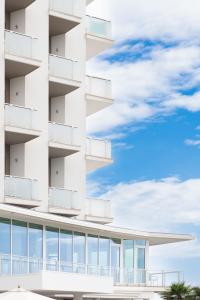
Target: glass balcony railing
99 27
62 198
21 45
63 68
67 7
99 148
99 208
21 117
21 188
63 134
98 87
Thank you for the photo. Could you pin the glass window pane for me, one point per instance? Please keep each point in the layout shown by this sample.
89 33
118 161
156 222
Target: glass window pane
140 243
128 254
66 251
52 245
141 258
35 241
5 243
19 238
79 252
92 247
104 252
115 259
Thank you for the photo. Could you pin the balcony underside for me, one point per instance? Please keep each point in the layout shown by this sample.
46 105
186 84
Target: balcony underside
93 163
99 220
51 283
14 135
64 211
13 5
21 202
60 87
96 45
95 104
17 66
61 150
60 23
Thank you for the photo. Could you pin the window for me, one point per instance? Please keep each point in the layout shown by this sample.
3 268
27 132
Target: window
79 252
141 258
5 236
66 250
92 246
35 241
129 254
115 259
52 248
19 238
104 255
19 247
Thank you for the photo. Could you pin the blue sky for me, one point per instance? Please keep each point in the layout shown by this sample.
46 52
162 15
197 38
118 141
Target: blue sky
154 124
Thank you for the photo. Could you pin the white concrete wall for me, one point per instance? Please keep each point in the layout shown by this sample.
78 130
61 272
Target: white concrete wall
17 91
37 96
17 21
2 95
17 160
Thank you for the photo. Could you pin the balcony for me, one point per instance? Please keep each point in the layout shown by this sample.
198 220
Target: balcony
13 5
64 202
63 140
21 124
98 94
64 15
21 54
98 154
63 75
21 191
99 36
99 211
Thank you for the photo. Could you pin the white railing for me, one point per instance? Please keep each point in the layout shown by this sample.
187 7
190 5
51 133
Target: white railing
98 87
21 117
99 27
63 67
63 134
99 208
15 265
21 188
99 148
67 7
62 198
21 45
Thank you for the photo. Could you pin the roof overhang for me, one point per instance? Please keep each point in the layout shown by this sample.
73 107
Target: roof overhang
154 238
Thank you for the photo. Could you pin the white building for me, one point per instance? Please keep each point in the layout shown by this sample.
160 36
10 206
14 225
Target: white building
53 239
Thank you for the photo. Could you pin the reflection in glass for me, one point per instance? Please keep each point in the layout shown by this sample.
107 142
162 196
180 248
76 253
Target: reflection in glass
66 250
35 247
5 245
115 259
141 258
52 248
104 255
19 247
129 261
79 252
92 244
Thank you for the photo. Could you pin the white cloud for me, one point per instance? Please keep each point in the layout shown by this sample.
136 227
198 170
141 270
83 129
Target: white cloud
146 88
152 204
192 142
172 19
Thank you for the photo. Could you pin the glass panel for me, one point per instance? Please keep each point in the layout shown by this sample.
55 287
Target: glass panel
5 245
52 248
19 247
79 252
129 261
35 247
140 243
141 258
104 256
115 259
92 254
66 250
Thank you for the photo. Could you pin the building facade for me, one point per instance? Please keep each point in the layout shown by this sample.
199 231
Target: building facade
53 239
